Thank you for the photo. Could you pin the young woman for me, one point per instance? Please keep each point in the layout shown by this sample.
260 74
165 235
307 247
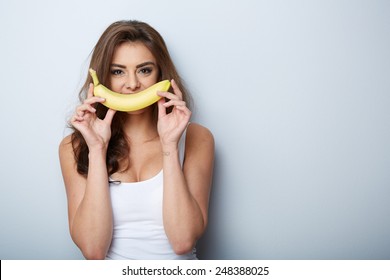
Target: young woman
137 183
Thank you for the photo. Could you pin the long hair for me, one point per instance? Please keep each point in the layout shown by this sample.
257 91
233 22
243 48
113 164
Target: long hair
116 34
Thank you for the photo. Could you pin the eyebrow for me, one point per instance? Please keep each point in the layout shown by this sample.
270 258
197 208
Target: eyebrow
138 66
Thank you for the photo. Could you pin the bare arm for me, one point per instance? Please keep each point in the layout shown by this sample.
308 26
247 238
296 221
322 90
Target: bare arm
89 203
186 192
89 206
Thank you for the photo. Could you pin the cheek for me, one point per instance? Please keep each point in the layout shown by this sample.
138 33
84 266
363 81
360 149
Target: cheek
148 81
114 85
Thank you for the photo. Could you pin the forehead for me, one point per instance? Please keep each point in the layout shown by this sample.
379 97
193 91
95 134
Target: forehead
132 54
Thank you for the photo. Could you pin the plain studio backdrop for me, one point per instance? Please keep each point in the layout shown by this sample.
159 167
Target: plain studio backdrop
296 93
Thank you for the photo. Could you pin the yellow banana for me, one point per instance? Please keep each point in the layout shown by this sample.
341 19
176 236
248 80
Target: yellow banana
128 102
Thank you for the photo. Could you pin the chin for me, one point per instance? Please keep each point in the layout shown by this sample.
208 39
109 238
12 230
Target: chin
140 111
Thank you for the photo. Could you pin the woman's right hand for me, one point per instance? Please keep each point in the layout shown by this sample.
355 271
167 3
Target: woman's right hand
96 132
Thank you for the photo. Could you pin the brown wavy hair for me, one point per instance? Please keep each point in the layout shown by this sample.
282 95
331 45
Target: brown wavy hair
116 34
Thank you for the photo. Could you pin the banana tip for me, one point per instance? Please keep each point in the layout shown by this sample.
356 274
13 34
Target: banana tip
94 77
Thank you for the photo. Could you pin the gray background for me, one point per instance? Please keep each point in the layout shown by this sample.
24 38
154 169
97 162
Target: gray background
296 93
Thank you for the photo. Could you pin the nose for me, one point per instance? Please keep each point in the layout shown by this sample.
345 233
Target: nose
132 83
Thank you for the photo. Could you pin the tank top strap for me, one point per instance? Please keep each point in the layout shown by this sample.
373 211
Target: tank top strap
182 145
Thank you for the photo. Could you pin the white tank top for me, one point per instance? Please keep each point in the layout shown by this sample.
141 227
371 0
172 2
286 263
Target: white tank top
138 231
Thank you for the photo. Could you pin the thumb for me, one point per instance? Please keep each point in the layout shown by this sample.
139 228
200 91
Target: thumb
90 90
162 111
109 116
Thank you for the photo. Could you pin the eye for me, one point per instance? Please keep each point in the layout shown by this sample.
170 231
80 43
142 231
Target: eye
145 70
116 72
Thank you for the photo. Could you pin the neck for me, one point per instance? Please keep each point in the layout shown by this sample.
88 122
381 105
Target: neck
140 128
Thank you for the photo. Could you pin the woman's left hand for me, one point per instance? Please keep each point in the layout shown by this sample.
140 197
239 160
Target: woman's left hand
171 125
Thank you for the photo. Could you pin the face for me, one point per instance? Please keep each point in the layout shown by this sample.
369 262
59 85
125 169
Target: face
133 68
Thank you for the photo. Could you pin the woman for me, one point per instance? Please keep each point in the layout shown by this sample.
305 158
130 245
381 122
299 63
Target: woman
137 183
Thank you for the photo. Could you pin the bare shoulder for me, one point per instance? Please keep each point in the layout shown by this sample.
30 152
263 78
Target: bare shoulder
197 134
199 141
67 158
72 179
65 148
199 163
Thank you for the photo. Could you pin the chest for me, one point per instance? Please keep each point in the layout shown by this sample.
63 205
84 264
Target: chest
138 201
143 162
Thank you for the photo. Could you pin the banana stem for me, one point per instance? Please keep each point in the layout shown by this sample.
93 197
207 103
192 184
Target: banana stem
94 77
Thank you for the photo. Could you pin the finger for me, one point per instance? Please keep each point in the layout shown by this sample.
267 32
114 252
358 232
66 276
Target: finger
90 91
109 116
85 108
176 89
76 118
80 114
94 99
161 108
184 109
168 95
175 103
